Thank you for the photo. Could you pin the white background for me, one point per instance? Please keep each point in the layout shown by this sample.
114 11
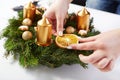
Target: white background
11 70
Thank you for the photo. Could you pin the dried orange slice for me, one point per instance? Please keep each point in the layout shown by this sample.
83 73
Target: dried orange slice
66 40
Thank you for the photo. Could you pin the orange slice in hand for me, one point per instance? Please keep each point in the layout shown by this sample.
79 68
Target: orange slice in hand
66 40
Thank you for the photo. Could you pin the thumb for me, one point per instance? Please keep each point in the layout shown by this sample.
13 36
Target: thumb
83 58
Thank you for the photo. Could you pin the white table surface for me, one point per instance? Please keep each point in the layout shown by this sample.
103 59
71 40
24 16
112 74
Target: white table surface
11 70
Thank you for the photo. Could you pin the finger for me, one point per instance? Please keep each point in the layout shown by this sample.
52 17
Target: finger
102 63
109 67
51 17
93 58
84 46
48 14
60 21
53 22
88 39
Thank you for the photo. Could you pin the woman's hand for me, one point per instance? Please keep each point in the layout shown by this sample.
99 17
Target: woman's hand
56 15
106 48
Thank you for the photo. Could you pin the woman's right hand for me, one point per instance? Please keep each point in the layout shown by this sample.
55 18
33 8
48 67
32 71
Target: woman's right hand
56 15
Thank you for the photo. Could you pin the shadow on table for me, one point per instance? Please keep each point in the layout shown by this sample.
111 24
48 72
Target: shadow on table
74 72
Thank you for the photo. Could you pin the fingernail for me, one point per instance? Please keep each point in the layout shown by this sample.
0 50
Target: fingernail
60 33
69 47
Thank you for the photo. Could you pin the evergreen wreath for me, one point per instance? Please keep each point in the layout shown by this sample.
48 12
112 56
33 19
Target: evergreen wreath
29 54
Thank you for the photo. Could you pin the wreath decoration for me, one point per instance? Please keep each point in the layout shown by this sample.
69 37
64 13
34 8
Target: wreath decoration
20 40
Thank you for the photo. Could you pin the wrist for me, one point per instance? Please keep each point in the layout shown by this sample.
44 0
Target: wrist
63 2
68 1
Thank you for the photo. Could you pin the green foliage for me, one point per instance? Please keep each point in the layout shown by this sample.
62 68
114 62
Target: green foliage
30 55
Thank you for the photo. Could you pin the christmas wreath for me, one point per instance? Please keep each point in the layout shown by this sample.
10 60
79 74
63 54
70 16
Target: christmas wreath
20 41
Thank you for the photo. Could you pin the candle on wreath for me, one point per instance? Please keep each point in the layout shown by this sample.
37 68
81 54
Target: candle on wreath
29 11
83 18
43 32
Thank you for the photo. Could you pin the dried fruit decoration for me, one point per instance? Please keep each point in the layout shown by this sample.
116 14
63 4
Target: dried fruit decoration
66 40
